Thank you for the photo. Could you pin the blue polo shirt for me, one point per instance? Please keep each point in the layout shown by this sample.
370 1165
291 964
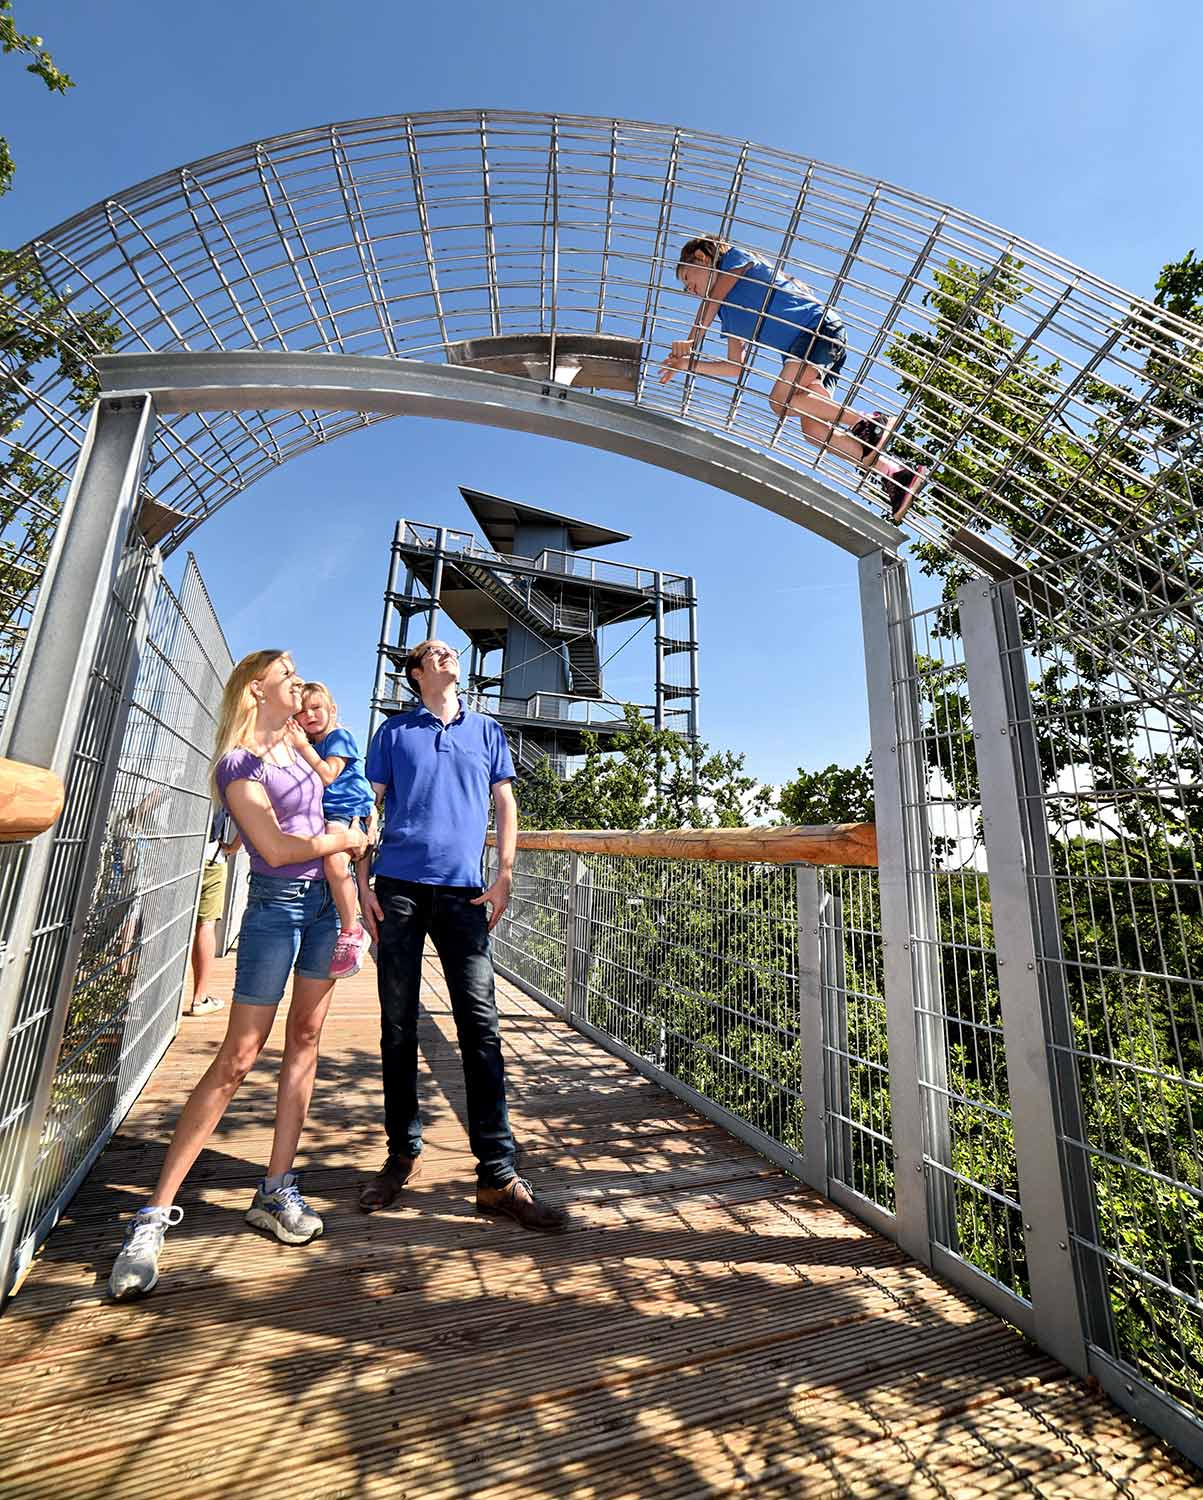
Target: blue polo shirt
772 309
436 807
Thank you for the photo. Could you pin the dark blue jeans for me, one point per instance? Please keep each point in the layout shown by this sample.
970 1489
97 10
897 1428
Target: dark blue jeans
460 934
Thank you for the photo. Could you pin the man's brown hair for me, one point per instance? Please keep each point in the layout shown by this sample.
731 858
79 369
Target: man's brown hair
414 659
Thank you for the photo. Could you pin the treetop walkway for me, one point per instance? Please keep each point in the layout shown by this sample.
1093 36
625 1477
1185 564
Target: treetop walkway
707 1326
989 1046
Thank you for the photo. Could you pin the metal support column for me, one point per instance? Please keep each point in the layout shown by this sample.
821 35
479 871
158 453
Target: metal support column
907 901
52 681
837 1073
660 683
382 657
1028 941
810 1028
574 881
436 583
138 584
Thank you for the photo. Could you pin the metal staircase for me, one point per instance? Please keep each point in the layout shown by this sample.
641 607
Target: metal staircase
584 667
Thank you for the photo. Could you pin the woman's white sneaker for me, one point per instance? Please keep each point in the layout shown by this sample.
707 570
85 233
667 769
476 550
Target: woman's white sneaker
136 1269
284 1213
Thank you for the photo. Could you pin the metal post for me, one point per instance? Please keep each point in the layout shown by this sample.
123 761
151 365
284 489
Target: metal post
837 1077
436 582
146 577
382 656
582 940
52 681
907 976
1027 938
574 880
660 683
810 1028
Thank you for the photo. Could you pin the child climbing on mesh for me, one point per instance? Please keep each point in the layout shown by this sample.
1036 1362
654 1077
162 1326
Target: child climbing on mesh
757 305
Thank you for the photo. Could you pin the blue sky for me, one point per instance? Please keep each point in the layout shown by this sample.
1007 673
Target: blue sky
1072 122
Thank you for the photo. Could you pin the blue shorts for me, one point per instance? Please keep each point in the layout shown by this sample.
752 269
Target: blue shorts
825 347
288 923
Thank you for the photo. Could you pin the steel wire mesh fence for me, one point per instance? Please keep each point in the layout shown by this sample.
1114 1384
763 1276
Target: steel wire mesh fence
531 939
687 965
860 1142
973 1196
141 852
1120 792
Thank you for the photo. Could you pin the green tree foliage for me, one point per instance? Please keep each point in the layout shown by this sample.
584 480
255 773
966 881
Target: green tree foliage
836 794
644 778
41 333
41 64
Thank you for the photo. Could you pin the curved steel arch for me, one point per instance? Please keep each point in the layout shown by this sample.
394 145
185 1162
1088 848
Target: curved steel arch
406 236
370 386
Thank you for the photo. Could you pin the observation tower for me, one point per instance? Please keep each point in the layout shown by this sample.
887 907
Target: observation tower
533 600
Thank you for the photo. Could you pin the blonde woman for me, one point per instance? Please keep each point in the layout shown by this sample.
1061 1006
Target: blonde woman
290 926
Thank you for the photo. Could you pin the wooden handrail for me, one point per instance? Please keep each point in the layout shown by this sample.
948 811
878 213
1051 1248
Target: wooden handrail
31 798
827 844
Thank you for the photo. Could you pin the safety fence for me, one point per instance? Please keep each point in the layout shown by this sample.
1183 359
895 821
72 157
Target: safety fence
101 994
990 1046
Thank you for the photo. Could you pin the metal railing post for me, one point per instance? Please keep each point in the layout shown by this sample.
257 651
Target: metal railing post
908 917
1030 977
837 1079
52 681
810 1028
574 879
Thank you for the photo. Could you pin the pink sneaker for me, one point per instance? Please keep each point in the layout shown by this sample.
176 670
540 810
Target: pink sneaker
349 949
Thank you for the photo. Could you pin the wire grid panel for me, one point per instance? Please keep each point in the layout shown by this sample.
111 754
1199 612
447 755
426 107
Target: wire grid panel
32 1023
411 235
1120 792
124 1001
531 938
860 1142
970 1158
692 967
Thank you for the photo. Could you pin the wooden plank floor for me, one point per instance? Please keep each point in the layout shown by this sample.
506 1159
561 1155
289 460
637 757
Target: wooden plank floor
707 1327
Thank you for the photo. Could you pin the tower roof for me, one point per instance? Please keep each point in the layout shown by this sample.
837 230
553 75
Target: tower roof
500 519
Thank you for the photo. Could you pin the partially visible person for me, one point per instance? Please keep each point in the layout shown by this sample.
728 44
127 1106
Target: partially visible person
435 769
223 841
289 928
330 748
757 305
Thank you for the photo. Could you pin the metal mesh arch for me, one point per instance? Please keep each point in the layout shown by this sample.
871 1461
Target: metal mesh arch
407 236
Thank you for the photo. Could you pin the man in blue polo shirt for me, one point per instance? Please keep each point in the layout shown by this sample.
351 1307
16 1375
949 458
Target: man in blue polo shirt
435 769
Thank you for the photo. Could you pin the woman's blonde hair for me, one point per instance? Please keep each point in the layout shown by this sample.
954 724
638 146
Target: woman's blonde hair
236 716
320 690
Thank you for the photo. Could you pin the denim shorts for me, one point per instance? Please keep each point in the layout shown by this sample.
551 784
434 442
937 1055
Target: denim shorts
288 923
825 347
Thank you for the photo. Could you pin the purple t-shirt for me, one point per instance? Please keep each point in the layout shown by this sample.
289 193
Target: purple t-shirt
295 793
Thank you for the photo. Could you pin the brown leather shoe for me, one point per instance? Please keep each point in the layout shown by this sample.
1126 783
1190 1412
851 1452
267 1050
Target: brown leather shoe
517 1201
383 1189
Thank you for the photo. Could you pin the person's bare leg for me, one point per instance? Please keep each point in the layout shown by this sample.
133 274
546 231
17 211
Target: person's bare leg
204 949
310 1002
799 390
342 889
245 1035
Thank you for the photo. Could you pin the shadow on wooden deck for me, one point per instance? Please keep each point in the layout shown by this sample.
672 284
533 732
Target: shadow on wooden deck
706 1327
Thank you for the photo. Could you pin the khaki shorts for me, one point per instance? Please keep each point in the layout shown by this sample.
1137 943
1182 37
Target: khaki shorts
213 893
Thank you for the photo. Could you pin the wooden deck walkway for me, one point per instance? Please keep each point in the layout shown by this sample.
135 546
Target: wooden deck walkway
708 1327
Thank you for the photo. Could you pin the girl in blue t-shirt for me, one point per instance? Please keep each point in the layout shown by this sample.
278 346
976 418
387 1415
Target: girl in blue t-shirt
756 304
332 752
